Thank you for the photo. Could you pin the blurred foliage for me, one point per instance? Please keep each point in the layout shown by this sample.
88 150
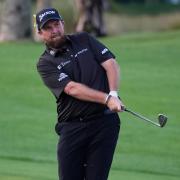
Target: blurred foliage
138 7
67 10
142 1
129 8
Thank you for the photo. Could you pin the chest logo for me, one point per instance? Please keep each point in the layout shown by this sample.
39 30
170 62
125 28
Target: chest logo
81 52
63 64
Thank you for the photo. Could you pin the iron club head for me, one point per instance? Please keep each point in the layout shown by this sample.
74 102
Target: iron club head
162 120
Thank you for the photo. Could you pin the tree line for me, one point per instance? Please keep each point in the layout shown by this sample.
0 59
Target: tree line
16 18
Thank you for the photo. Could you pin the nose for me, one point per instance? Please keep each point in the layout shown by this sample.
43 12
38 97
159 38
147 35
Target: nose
54 30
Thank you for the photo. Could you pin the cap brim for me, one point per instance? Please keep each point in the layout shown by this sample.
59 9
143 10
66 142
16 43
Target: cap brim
51 18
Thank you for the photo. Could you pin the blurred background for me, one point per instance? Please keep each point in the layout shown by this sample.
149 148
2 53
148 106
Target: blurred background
145 37
100 17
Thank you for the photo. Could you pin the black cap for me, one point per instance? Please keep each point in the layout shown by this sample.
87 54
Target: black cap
45 15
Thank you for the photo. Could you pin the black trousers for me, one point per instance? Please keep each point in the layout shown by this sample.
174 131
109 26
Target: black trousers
85 149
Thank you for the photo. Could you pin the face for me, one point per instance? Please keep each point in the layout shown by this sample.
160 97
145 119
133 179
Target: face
52 33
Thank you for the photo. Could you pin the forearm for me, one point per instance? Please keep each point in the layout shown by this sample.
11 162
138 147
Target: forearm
113 74
83 92
113 79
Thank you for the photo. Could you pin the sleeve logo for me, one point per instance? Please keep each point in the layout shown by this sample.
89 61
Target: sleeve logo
62 76
104 51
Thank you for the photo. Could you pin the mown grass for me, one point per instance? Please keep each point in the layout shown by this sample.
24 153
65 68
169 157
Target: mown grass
149 84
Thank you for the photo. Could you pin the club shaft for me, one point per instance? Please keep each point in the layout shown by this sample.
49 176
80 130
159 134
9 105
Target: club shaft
141 117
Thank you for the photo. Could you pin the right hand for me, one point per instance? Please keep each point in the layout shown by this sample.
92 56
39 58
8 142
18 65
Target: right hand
115 104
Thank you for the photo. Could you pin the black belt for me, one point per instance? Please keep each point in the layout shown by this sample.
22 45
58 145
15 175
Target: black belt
90 117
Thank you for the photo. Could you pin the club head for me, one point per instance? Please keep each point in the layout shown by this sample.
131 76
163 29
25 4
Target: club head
162 120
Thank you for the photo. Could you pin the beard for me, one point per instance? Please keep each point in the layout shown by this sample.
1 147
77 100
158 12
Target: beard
56 41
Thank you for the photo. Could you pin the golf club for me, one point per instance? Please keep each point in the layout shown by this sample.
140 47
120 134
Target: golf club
161 118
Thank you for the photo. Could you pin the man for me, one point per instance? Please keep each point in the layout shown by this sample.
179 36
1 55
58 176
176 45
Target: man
91 16
83 76
96 12
83 17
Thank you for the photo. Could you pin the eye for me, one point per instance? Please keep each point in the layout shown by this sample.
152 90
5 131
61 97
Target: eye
56 23
47 28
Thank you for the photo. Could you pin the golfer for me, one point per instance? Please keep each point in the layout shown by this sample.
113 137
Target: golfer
83 76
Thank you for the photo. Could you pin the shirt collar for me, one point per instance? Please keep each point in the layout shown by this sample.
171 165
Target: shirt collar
63 49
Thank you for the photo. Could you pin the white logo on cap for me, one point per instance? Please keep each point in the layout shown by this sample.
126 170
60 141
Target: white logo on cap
41 16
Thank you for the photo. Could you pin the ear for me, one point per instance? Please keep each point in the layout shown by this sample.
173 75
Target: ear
39 32
62 22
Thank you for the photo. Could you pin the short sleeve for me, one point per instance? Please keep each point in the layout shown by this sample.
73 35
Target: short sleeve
53 78
102 53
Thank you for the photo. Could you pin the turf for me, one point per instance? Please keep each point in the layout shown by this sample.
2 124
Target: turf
150 85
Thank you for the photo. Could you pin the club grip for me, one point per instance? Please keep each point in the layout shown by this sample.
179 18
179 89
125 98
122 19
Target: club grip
123 108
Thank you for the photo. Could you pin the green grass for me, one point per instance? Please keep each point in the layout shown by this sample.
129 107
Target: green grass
150 79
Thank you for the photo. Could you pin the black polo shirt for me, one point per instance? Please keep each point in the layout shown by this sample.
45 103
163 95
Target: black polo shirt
79 60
